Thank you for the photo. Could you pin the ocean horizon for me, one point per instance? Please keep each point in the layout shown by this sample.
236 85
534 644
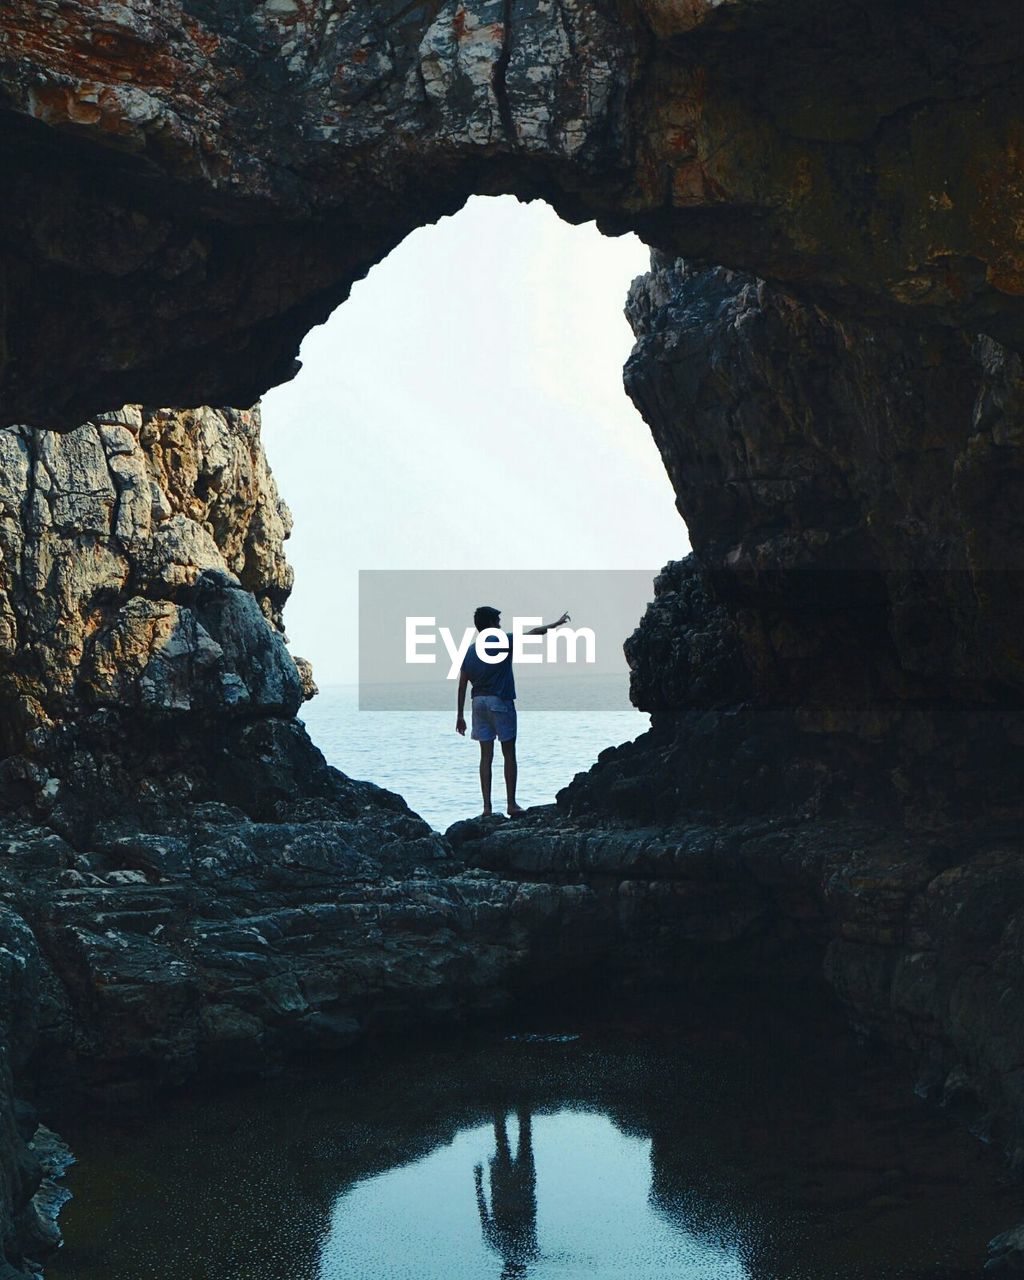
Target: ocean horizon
418 753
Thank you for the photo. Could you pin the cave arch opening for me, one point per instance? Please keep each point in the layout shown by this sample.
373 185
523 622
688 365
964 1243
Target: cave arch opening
464 409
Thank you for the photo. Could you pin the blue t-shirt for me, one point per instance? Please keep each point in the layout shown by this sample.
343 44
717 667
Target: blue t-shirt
494 678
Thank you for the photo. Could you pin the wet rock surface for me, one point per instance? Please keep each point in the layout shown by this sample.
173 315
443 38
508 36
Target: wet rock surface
918 935
189 937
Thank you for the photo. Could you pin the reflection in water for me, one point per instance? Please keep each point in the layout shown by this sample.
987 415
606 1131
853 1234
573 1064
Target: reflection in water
510 1225
571 1198
633 1154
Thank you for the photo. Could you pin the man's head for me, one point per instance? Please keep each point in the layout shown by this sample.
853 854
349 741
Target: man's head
486 616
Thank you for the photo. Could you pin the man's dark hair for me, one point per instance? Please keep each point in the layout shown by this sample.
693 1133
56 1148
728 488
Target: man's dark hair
485 617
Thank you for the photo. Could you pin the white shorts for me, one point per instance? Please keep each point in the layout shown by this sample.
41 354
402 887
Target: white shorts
493 718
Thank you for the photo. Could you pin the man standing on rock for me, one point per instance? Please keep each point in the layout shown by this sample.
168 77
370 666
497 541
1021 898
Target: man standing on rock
494 703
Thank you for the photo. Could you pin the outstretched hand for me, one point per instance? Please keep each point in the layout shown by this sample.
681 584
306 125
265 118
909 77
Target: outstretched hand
561 621
460 726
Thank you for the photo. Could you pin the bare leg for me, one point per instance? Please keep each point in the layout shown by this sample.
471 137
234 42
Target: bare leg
486 756
508 750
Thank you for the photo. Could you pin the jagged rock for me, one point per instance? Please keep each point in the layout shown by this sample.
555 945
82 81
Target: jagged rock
1006 1254
305 669
43 1236
142 570
246 164
845 635
241 942
22 1229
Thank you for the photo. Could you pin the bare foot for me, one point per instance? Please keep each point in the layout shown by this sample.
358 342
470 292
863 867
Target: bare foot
515 809
486 811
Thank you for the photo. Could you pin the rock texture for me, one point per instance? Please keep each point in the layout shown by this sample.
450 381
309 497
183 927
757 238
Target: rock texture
218 941
142 578
847 632
832 776
835 677
142 572
245 163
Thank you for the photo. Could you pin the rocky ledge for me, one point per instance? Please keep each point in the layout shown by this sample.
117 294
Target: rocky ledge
293 914
918 935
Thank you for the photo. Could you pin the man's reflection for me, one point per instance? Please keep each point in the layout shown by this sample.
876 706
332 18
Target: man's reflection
510 1225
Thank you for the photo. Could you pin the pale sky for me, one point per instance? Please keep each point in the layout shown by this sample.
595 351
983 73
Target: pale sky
464 410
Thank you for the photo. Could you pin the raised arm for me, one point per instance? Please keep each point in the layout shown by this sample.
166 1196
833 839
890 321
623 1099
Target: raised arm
460 715
548 626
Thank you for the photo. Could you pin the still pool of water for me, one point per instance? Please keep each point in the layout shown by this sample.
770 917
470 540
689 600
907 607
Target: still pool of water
613 1154
531 1177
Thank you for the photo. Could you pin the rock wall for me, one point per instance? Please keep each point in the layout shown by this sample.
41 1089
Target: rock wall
847 633
141 587
142 578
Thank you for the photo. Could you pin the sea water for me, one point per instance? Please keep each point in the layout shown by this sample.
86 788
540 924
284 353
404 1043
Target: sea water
418 753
